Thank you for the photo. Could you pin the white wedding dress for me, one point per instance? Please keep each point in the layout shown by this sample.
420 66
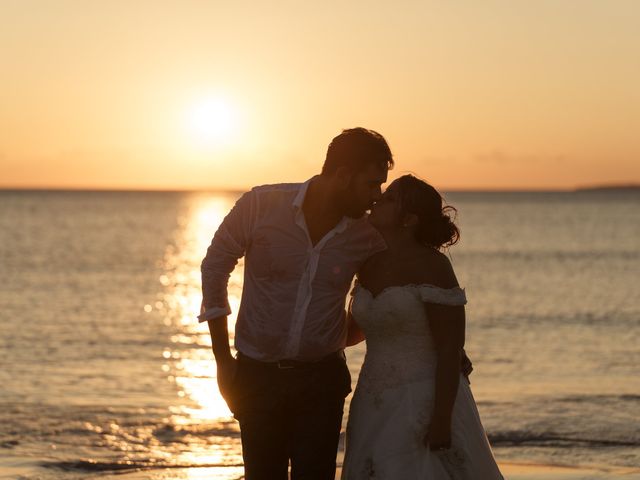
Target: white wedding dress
393 400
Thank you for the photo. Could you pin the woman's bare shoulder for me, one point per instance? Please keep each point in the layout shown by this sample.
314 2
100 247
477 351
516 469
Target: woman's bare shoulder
436 269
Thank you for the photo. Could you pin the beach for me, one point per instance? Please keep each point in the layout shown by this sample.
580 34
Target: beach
510 471
107 373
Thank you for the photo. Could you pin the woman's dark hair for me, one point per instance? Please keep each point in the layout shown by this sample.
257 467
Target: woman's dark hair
436 227
357 148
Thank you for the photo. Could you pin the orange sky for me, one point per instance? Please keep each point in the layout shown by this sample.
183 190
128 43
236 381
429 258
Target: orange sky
493 94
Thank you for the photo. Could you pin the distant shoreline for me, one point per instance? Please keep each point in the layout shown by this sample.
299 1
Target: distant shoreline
610 188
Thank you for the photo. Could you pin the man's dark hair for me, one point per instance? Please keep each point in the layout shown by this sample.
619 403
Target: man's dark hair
356 148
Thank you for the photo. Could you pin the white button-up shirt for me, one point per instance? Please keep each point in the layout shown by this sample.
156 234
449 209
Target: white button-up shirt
293 298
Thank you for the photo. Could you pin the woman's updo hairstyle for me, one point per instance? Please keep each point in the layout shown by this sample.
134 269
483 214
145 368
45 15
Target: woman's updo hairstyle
436 227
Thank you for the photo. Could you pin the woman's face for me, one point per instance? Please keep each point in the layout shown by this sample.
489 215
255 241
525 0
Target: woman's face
386 213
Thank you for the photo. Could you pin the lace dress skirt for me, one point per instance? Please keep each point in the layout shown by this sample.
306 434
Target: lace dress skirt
385 437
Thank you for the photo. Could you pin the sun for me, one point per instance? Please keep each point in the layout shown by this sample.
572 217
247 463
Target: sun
212 122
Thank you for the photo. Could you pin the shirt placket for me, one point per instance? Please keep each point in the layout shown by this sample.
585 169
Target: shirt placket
305 287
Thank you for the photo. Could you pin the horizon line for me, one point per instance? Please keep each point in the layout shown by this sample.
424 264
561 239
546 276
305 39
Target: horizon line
602 187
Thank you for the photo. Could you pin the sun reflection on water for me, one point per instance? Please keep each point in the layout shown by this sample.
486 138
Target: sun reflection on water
189 360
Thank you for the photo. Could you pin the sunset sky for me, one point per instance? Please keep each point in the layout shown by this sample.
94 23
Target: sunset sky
150 94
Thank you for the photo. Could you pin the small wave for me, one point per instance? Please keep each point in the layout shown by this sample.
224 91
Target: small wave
93 466
527 439
105 466
606 399
627 397
183 434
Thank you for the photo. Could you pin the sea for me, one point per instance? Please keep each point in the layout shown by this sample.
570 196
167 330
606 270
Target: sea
105 370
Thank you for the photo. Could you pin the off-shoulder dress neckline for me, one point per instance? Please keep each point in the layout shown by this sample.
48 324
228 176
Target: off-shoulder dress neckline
359 286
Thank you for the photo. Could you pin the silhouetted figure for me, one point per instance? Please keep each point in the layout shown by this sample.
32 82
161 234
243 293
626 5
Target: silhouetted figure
412 415
303 244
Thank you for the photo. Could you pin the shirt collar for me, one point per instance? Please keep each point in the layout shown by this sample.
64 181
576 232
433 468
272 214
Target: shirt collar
302 191
299 200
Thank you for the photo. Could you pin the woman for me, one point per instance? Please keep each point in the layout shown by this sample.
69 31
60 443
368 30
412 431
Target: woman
412 415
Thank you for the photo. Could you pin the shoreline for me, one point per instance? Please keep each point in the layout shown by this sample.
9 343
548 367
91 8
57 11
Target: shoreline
532 471
510 470
25 467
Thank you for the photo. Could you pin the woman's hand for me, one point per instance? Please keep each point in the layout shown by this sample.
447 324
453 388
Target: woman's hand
438 436
466 366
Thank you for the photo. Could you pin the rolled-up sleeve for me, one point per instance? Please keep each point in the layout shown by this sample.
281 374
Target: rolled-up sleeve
228 245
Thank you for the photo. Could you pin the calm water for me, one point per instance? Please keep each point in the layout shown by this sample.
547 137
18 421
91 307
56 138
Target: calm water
104 368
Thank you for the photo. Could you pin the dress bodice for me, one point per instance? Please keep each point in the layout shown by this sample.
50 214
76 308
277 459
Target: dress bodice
400 347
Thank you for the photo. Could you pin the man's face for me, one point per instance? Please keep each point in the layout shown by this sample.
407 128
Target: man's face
386 214
364 189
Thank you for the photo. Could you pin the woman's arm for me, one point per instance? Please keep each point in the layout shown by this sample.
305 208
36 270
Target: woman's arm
354 334
447 325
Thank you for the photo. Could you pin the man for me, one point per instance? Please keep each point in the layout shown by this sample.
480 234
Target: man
302 244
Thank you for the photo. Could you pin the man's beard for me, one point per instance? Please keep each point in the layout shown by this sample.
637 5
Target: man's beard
350 205
355 213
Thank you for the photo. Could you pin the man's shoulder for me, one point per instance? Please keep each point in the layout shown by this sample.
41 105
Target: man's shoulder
276 189
272 196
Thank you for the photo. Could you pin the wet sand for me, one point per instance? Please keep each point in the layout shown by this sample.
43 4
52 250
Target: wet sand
24 468
511 471
515 471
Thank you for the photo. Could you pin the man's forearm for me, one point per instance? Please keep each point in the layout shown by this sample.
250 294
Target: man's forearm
226 365
220 339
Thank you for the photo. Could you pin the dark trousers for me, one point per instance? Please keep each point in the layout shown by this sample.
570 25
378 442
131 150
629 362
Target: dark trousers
290 415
